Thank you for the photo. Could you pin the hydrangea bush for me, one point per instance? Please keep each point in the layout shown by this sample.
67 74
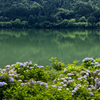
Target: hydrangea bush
29 81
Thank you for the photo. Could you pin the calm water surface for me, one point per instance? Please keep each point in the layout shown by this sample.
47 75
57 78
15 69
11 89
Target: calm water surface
40 45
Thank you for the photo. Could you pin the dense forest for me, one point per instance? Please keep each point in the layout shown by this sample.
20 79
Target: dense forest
49 13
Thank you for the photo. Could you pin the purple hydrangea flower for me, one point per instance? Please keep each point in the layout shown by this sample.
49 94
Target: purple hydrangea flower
25 80
40 66
11 79
22 84
47 86
21 64
30 62
96 63
64 81
99 83
92 63
42 83
67 88
61 83
70 81
38 82
14 72
91 59
94 72
7 69
25 64
87 59
54 86
73 91
30 67
92 77
18 62
32 81
2 84
64 85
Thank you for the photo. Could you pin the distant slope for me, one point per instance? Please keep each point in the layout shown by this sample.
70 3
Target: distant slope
49 13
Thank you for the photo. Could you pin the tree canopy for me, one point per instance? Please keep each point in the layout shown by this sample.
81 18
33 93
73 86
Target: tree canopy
49 13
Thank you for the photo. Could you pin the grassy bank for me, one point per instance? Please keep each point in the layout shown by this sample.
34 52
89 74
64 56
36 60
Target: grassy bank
29 81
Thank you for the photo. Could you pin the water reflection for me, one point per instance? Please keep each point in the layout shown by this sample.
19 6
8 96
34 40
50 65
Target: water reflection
40 45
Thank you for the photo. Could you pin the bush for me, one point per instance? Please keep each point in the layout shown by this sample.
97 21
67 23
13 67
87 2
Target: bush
29 81
56 65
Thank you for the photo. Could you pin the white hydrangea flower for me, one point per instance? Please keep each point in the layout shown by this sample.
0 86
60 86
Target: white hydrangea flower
98 74
67 88
20 80
87 73
60 87
64 85
70 78
61 83
54 86
73 91
90 93
89 89
70 74
62 78
64 81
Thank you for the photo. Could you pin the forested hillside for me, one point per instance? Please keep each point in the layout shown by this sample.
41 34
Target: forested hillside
49 13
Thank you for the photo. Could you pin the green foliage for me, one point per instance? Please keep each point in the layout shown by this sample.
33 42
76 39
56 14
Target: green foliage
56 65
31 20
17 23
49 13
31 72
91 19
82 19
27 81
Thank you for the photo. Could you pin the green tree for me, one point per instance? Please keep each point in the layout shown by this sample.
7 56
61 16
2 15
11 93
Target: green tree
31 20
83 9
91 19
82 19
24 23
17 23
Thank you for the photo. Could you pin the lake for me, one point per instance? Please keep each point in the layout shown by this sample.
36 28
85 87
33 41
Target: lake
39 45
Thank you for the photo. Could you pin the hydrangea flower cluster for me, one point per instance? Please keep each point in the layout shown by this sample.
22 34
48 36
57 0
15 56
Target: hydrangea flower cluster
73 79
34 82
2 84
11 73
87 59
